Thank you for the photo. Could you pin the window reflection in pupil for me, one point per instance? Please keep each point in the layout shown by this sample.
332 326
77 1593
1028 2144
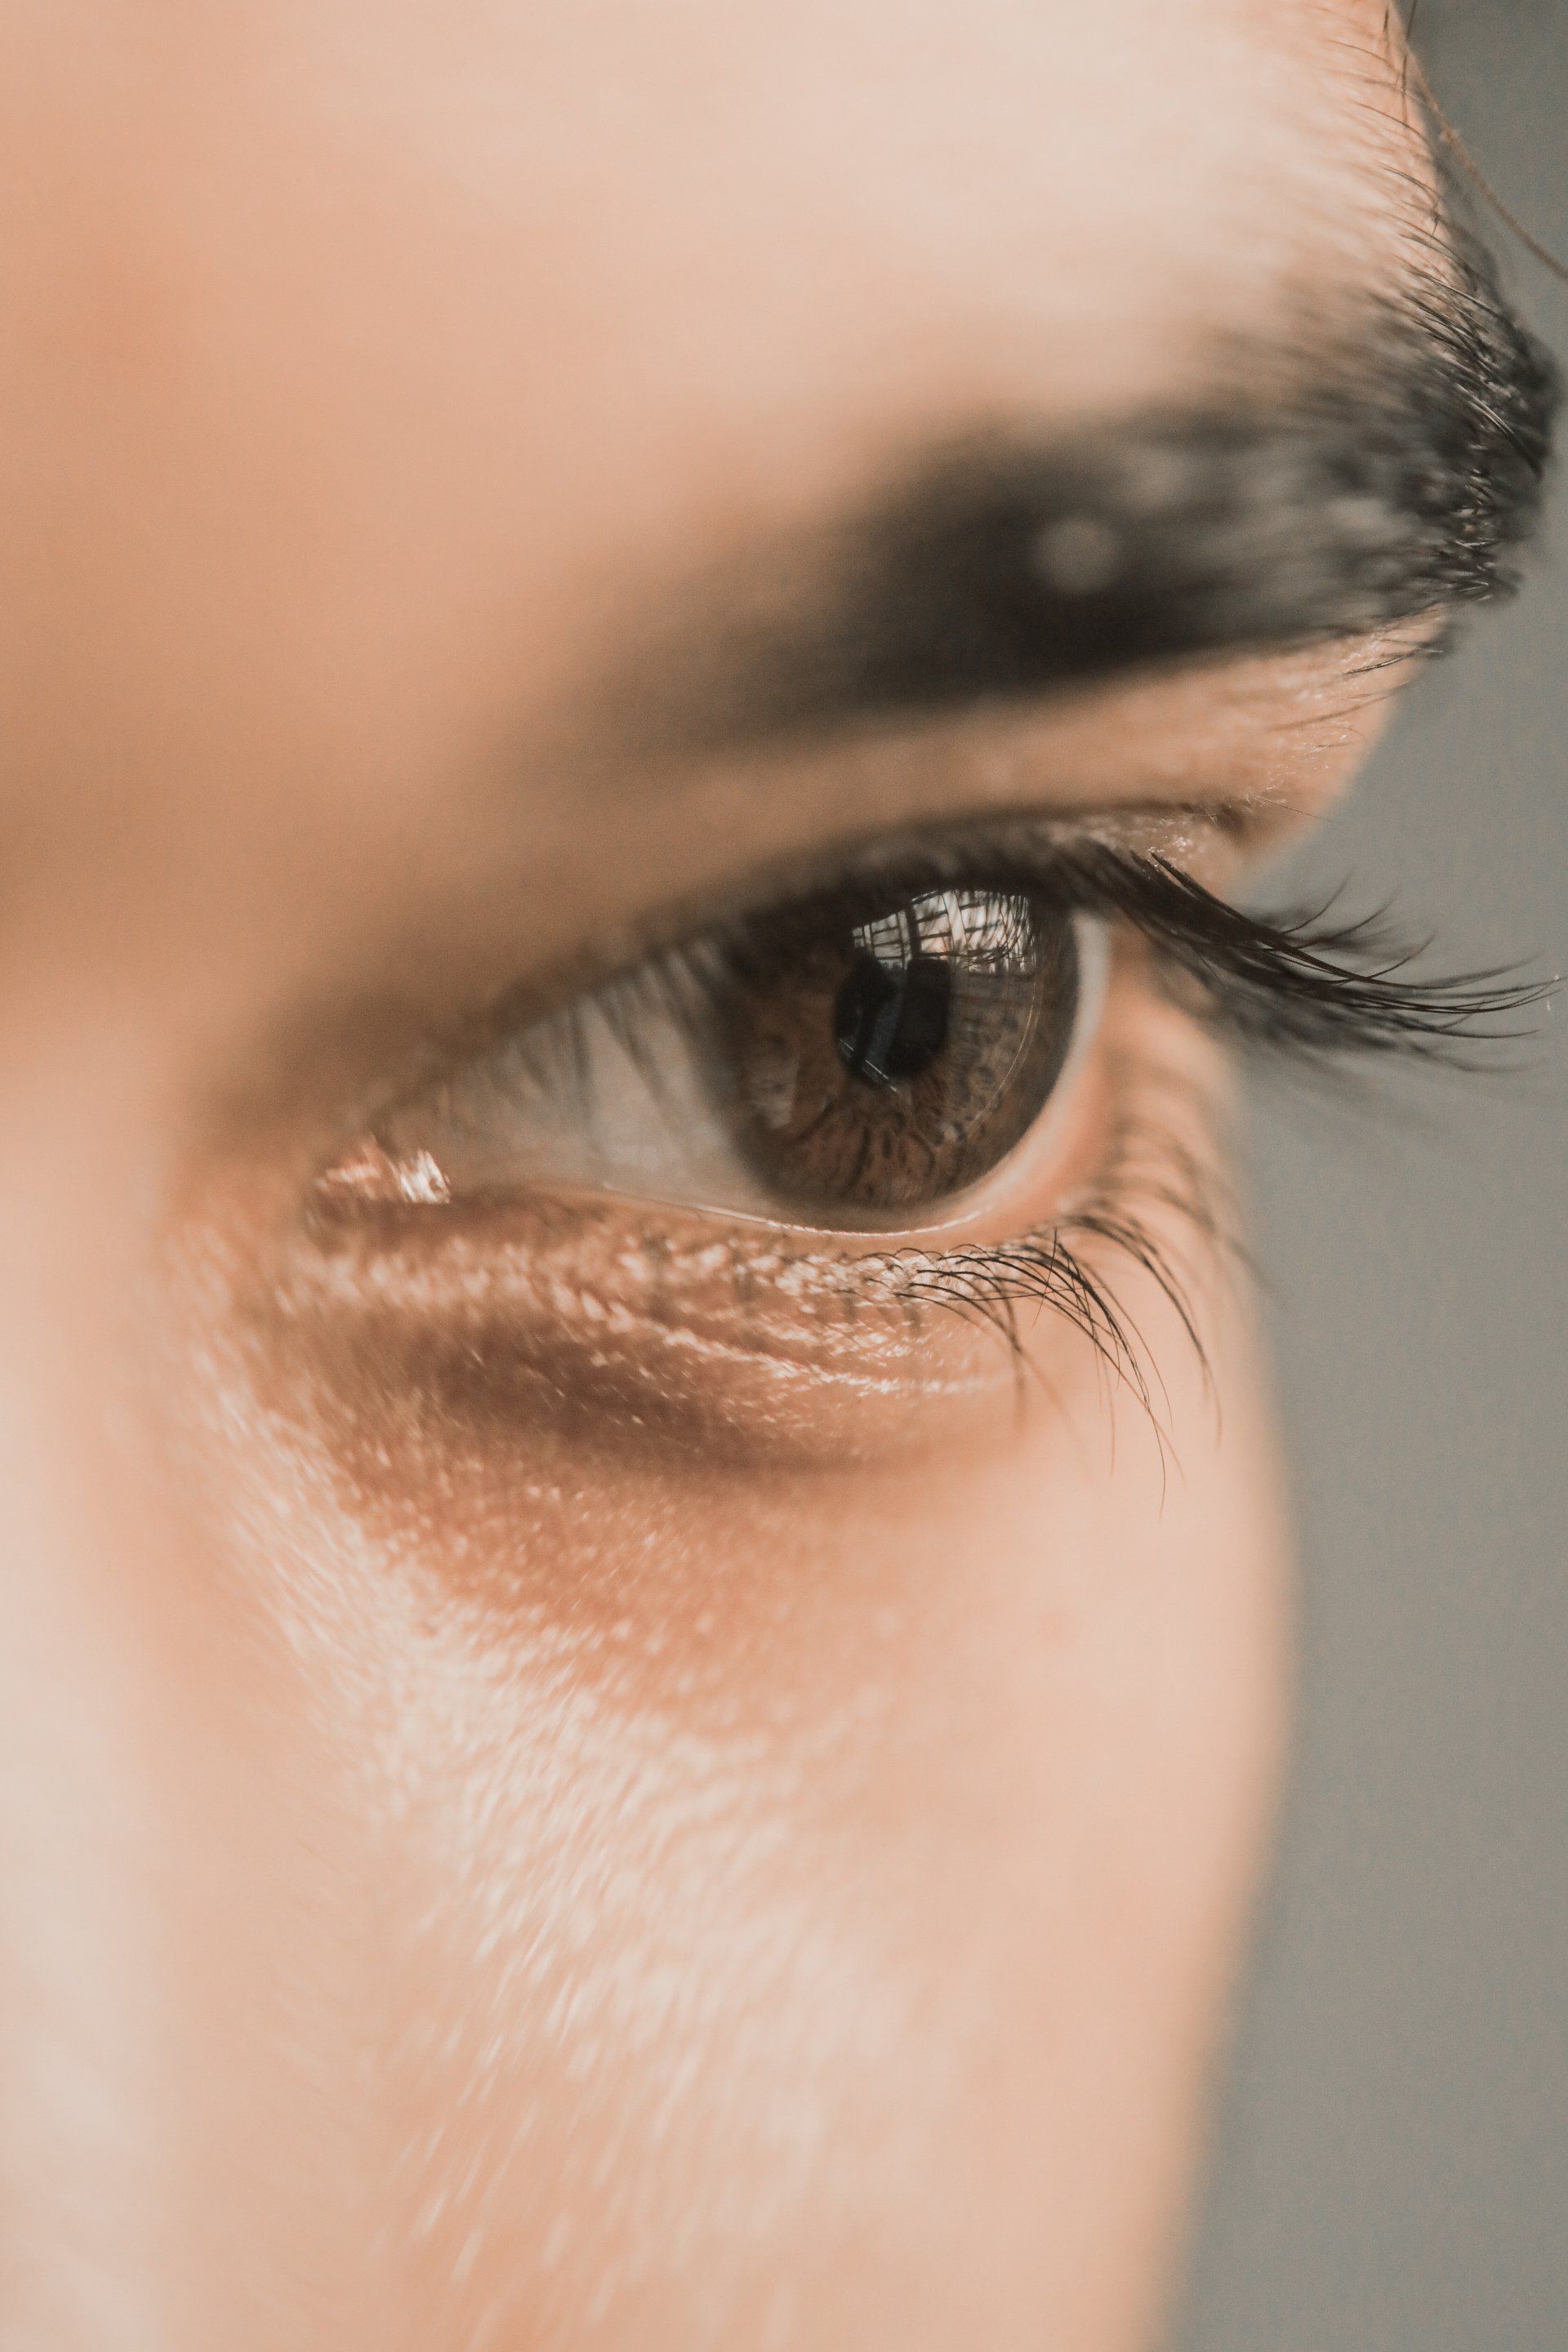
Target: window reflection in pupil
891 1021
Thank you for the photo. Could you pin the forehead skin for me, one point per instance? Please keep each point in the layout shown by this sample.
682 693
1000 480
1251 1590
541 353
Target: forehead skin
372 1970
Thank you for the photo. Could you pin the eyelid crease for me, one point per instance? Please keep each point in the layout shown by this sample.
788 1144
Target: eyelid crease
1019 846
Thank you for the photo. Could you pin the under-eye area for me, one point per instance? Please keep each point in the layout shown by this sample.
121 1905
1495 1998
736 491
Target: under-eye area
897 1138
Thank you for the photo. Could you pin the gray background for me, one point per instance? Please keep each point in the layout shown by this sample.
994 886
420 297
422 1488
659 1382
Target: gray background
1392 2168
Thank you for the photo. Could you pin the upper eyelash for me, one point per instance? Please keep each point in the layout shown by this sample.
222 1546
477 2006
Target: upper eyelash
1299 984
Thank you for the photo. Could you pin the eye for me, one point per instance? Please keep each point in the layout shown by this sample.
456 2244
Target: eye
899 1055
901 1099
867 1059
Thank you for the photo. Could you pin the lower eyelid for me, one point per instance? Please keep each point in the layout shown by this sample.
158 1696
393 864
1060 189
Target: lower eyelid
588 1328
611 1325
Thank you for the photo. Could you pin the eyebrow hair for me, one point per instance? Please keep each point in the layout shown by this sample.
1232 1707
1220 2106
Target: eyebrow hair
1391 471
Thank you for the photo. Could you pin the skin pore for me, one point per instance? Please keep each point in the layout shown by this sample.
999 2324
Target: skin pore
560 1787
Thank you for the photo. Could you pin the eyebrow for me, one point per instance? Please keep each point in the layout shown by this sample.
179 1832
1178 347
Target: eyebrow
1391 471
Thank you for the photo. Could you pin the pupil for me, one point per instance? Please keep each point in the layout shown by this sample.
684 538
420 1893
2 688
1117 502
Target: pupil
890 1021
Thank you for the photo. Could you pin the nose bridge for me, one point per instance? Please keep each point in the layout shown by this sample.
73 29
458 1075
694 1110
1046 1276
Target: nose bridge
83 2153
179 2108
84 2130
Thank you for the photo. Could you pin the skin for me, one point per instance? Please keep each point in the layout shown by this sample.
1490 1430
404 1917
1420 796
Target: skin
480 1870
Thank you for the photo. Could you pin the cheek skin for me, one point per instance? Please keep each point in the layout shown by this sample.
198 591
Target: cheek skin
791 1907
821 1945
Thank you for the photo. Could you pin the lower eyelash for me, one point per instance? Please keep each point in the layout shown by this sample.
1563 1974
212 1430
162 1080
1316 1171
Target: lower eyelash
1153 1186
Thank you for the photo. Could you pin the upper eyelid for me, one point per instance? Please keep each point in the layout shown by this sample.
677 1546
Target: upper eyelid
527 914
1026 846
1304 984
1024 841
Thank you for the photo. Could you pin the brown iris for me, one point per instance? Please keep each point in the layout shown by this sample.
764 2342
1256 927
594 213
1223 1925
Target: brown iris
884 1054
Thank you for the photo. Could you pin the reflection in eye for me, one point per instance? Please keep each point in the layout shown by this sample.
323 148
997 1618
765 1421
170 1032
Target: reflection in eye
866 1059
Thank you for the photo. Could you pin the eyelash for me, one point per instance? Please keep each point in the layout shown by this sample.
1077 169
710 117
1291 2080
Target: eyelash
1300 989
